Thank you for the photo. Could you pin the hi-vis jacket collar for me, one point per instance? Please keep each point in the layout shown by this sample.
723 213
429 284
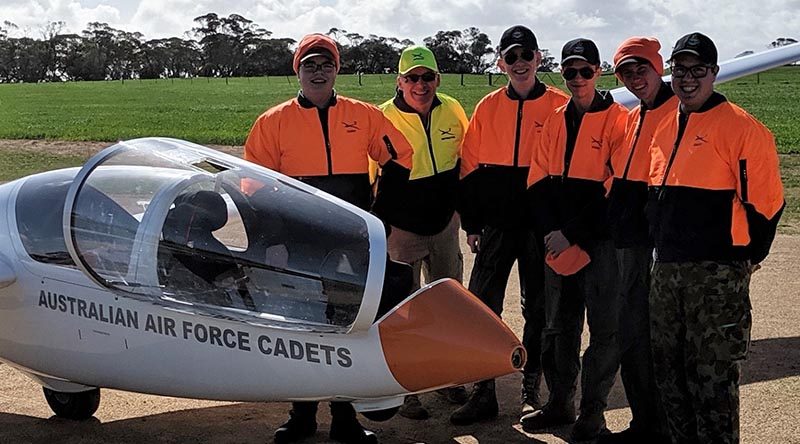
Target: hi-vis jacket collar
538 91
601 102
713 101
305 103
664 93
402 105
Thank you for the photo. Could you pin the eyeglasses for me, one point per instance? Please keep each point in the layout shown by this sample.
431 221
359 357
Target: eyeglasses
636 70
511 57
428 77
312 67
570 73
697 71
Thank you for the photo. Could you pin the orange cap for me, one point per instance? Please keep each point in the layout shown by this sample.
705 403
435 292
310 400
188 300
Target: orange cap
312 42
640 48
569 262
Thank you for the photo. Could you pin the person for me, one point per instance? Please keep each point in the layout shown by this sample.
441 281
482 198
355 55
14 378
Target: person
714 204
567 190
325 140
638 64
424 224
495 162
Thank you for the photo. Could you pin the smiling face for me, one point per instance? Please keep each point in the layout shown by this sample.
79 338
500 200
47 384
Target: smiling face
317 76
692 91
580 86
522 71
642 80
419 88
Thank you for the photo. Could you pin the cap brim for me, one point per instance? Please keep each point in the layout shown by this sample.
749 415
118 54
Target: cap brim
509 48
316 53
419 66
575 57
684 51
625 61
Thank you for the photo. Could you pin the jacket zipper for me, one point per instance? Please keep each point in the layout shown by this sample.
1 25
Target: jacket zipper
635 142
426 124
520 104
683 122
323 120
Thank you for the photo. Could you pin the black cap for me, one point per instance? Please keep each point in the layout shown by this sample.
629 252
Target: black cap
580 49
697 44
518 36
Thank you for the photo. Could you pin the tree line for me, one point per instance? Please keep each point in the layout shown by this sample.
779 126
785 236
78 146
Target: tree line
231 46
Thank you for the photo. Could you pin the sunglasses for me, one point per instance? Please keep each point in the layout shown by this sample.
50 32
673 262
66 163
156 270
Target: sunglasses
312 67
428 77
511 57
697 71
570 73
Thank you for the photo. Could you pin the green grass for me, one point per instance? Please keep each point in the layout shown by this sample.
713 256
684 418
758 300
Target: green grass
221 111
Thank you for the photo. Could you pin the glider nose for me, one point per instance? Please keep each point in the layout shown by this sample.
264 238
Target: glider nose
445 336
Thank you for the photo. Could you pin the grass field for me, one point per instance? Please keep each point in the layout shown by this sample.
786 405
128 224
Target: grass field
221 111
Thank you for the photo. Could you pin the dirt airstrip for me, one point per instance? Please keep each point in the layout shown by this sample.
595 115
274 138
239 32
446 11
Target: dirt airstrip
770 396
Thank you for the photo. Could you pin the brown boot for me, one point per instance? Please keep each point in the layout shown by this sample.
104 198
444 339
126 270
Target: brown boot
481 405
412 408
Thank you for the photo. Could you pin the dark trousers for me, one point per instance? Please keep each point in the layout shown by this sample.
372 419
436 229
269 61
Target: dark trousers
700 330
593 289
307 411
636 357
498 251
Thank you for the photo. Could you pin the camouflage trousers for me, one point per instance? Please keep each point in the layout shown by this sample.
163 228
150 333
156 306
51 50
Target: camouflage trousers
700 331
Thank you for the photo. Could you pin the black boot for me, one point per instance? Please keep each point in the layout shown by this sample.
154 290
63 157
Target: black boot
302 423
412 408
345 428
531 389
548 416
481 405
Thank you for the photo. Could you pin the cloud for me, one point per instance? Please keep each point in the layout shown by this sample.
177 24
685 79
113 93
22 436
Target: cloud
735 25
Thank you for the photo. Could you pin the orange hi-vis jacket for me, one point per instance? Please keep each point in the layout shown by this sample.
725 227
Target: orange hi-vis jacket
571 167
716 192
496 152
631 168
330 147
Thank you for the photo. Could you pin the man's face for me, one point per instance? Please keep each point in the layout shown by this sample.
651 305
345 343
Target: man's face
520 64
317 75
580 76
642 80
692 81
419 87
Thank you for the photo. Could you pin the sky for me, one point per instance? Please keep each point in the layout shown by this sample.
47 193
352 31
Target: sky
734 25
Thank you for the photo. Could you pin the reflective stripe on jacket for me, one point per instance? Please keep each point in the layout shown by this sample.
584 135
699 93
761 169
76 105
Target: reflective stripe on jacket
715 186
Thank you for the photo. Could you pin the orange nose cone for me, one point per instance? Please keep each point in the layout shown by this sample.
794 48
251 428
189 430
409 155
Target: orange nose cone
446 336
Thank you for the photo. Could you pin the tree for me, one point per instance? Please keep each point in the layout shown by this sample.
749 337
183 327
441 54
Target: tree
226 42
461 51
549 63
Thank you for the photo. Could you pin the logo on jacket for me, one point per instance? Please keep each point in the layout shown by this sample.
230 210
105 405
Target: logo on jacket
538 125
699 140
447 134
351 127
597 143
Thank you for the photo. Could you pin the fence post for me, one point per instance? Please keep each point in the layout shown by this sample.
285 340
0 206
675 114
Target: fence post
462 79
490 79
359 78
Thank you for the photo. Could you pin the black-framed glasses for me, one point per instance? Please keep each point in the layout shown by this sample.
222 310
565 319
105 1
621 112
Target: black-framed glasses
696 71
428 77
511 57
312 67
570 73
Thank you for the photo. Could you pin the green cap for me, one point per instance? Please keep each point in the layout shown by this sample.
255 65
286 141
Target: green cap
416 56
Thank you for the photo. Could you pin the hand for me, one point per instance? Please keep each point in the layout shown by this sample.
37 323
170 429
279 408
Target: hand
556 242
474 242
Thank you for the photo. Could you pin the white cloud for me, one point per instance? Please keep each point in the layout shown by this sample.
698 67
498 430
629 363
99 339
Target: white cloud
735 25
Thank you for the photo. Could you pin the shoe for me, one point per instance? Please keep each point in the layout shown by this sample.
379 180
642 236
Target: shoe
350 431
481 405
295 430
589 427
531 399
412 408
627 436
454 395
546 417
